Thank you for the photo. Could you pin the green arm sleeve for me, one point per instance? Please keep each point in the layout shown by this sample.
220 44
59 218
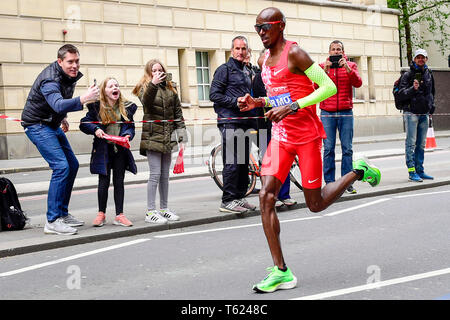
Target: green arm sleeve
326 89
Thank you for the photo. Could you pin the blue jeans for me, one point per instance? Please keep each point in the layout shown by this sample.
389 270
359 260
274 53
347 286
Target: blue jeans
341 121
416 127
55 149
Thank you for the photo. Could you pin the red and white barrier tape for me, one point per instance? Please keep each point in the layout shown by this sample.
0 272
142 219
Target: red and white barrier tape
2 116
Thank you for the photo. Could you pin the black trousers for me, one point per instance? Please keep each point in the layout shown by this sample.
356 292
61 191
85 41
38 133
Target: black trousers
236 139
116 163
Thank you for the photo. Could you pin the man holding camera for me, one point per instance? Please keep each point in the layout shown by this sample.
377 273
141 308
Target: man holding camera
416 94
336 111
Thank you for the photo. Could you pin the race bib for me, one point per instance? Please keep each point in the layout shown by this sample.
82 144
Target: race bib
280 100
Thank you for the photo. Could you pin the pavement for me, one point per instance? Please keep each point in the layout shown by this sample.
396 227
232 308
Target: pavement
33 239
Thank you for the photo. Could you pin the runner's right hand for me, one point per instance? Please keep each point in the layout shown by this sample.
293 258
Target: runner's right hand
246 102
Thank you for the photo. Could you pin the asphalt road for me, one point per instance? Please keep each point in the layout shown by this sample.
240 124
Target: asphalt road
398 243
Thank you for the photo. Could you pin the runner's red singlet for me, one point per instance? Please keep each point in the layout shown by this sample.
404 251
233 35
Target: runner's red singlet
298 134
284 87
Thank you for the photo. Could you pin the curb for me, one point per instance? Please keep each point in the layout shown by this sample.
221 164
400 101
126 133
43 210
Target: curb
183 224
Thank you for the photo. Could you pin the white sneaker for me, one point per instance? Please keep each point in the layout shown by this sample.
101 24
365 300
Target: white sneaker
169 215
59 227
278 204
70 220
153 216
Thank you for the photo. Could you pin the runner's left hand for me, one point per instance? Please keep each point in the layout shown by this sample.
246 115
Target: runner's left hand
278 114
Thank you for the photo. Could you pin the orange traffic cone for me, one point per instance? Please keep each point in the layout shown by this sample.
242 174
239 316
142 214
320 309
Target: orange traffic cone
431 140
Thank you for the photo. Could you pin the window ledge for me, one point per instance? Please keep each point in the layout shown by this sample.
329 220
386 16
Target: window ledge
186 105
205 104
358 101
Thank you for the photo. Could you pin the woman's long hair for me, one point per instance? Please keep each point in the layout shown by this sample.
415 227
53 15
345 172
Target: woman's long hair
107 113
147 77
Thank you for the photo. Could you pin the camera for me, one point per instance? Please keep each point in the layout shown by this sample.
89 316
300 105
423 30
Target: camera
335 61
418 76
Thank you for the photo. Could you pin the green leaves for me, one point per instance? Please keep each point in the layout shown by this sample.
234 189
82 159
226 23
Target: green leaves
422 22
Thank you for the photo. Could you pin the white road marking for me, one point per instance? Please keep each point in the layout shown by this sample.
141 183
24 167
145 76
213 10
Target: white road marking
375 285
77 256
356 207
421 194
281 221
228 228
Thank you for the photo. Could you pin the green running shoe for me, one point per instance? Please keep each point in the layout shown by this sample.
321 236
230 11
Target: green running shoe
275 280
372 174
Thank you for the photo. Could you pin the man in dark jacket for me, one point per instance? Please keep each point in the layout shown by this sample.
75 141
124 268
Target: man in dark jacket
231 81
336 112
416 94
44 113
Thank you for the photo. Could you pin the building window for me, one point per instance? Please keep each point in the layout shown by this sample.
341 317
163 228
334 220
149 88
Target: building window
202 67
356 93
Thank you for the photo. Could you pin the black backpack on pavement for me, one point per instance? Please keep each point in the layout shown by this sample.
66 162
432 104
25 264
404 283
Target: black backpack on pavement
11 214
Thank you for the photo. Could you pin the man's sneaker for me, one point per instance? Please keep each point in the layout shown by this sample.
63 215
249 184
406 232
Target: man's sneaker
372 174
351 190
424 176
153 216
232 207
169 215
99 220
278 204
288 202
121 220
70 220
275 280
413 176
59 227
244 203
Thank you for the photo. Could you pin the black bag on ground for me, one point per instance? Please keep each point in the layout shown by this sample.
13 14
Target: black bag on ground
11 215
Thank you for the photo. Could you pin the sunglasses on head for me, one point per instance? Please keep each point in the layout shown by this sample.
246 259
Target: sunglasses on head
265 26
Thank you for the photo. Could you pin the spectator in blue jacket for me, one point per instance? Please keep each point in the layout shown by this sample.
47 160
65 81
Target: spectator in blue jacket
106 155
416 94
44 119
231 81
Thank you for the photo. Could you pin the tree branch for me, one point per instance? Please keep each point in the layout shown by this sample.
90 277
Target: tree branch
429 7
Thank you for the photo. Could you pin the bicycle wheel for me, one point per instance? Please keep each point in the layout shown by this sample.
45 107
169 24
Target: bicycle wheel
295 175
252 178
215 167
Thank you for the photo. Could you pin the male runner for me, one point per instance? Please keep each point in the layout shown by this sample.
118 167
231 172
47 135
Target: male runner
288 74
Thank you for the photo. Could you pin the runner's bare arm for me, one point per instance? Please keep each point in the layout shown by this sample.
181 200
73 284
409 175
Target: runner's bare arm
301 63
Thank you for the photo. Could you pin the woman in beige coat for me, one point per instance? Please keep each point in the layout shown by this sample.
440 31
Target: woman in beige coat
159 139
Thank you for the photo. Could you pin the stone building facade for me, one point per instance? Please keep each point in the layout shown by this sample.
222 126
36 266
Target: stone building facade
192 38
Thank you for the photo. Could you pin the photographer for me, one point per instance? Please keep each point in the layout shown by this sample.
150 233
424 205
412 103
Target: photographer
336 111
416 94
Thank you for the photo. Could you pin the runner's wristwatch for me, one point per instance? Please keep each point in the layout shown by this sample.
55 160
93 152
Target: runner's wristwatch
294 107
